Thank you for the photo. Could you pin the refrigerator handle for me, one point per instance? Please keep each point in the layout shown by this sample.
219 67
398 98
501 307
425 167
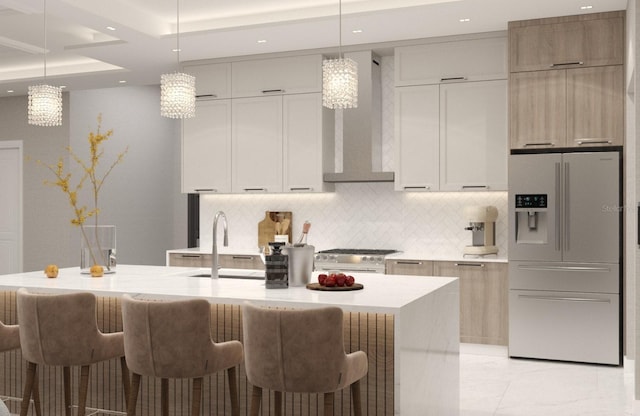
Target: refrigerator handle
558 208
567 209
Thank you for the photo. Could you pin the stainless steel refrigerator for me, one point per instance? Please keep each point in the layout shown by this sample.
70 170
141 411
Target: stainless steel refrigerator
565 256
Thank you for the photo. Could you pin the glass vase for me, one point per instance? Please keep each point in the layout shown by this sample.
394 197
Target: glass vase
99 247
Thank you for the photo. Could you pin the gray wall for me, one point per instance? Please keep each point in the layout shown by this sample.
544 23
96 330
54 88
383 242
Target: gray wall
46 227
142 195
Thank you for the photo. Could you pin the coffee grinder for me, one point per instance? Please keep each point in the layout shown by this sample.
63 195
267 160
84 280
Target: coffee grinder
482 224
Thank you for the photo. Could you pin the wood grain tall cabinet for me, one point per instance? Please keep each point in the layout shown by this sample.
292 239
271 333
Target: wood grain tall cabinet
566 81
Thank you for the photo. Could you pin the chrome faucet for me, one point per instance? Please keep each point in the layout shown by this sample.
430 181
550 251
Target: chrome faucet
214 248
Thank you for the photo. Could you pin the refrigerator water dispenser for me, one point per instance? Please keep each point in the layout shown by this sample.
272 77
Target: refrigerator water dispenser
531 219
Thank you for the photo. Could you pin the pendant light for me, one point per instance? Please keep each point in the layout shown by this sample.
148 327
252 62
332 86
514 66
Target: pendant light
340 78
178 90
45 101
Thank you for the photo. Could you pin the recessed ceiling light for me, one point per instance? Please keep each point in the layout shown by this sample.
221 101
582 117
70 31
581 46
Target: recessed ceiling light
111 28
63 86
176 50
586 7
356 31
122 81
262 41
9 91
465 20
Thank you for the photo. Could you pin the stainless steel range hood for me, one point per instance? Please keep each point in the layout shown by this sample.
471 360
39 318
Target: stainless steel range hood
362 127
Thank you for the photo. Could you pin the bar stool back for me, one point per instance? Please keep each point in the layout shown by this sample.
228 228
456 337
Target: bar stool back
172 339
299 351
62 330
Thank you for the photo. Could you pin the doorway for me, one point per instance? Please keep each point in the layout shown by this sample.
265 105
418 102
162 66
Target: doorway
10 207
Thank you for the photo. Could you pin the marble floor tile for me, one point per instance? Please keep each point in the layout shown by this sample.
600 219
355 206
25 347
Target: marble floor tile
492 384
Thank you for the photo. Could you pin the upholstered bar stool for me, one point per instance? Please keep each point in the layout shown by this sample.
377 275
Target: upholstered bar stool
62 330
172 340
299 351
9 341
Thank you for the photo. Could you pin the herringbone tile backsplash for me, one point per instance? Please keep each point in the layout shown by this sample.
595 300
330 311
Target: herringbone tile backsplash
363 215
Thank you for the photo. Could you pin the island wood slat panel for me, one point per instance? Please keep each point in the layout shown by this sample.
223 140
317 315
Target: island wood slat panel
369 332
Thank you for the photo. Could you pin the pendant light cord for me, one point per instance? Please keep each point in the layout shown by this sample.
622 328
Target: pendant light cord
340 29
178 32
44 14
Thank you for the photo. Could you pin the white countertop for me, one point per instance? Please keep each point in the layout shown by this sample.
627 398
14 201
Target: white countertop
381 293
402 255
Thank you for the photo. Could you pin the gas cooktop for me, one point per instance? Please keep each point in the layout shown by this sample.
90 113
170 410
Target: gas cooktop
359 251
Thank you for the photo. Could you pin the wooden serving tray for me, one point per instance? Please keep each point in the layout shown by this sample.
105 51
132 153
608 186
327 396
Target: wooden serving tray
318 286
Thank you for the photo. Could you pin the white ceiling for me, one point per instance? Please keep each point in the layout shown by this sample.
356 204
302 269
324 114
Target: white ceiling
83 53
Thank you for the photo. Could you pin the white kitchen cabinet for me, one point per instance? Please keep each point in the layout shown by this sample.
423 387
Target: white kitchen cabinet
417 129
206 148
257 149
289 75
213 81
473 136
307 142
451 61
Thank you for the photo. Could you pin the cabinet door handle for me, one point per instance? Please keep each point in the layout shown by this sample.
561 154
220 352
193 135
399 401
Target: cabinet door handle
242 257
449 79
566 64
580 142
469 264
255 189
409 262
409 188
191 256
301 189
206 96
274 91
538 144
475 186
206 190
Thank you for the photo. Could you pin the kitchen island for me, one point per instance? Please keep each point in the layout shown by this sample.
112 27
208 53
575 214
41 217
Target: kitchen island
408 327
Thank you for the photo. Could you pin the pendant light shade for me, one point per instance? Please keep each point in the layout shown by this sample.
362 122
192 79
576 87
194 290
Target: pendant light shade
340 78
45 101
178 95
340 83
45 105
177 90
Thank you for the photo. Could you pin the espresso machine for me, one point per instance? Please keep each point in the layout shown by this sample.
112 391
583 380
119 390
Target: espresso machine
482 224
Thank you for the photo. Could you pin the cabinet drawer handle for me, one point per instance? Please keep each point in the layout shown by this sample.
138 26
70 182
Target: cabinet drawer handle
580 142
566 64
538 144
255 189
206 190
242 257
191 256
206 96
280 90
409 262
453 79
475 186
564 299
301 189
409 188
469 265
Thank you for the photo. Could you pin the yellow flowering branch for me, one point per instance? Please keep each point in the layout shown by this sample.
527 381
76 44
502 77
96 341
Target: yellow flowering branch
90 172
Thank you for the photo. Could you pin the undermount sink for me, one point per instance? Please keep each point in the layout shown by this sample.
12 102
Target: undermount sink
230 276
229 273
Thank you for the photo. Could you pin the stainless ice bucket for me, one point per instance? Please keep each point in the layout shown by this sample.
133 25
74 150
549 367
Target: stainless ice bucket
300 264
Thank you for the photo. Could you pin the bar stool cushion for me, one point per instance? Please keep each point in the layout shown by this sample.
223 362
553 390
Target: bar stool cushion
62 330
299 350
